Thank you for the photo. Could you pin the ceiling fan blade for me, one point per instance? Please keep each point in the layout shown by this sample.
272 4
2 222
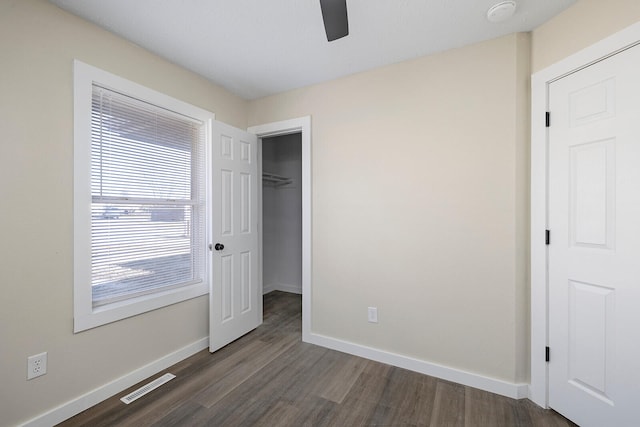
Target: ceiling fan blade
334 14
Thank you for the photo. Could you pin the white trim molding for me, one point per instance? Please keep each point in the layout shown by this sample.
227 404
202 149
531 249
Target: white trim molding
87 400
302 125
85 316
503 388
540 81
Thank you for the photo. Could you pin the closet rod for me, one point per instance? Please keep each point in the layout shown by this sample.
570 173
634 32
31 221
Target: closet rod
275 180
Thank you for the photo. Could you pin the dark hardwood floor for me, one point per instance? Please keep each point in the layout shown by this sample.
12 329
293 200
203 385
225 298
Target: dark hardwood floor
270 377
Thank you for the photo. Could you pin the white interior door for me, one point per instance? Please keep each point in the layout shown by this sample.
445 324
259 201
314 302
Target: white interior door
594 253
235 295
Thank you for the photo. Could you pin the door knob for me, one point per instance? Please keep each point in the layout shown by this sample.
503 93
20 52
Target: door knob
218 247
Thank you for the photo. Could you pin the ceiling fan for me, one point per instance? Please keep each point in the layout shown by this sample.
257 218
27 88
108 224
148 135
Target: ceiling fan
334 15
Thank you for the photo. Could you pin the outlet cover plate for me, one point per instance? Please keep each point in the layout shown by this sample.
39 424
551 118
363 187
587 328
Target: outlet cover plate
372 314
36 365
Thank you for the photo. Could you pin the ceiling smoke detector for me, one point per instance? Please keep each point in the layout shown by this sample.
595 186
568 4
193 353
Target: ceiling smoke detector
502 11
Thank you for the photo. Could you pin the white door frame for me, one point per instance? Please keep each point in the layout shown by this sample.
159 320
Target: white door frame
629 37
299 125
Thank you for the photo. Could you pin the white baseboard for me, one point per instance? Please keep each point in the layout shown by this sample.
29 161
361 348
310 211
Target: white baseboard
266 288
79 404
293 289
529 394
504 388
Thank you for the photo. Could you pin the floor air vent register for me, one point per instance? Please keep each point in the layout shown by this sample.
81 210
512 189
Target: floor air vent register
137 394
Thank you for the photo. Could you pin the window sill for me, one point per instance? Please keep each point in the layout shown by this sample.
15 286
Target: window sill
132 307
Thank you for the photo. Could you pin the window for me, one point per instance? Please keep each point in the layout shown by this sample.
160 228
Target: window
140 199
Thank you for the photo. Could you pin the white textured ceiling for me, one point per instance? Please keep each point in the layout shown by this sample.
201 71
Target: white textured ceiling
256 48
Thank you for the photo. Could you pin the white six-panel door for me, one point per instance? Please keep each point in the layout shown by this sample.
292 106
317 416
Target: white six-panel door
594 253
233 297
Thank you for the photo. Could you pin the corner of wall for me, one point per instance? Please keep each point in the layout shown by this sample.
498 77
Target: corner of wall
522 199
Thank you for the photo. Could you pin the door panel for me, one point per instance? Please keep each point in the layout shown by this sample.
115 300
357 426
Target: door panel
234 308
245 281
226 287
245 203
594 218
590 338
592 190
226 202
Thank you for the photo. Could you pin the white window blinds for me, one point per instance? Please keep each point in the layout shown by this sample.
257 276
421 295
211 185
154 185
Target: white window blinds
147 198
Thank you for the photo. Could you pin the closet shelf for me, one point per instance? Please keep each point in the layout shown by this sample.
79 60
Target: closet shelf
275 180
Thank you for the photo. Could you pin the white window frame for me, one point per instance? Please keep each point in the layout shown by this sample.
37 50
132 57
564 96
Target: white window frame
85 315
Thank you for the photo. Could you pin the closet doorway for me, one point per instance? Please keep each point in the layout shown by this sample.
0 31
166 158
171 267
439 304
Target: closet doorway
282 213
301 126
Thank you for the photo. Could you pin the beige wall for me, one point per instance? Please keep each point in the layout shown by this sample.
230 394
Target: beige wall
522 206
419 205
580 26
38 43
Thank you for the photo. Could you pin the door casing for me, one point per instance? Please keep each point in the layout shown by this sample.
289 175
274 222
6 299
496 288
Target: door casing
625 39
300 125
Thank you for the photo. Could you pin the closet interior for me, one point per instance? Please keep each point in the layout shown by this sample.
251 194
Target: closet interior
282 213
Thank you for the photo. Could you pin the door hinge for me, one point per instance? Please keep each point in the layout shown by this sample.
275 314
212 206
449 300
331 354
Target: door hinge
546 354
547 237
547 119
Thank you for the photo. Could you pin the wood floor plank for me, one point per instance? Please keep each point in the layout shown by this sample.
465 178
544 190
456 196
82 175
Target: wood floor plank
448 407
354 412
278 414
183 415
242 368
314 411
278 381
538 417
269 377
334 381
362 405
487 409
412 394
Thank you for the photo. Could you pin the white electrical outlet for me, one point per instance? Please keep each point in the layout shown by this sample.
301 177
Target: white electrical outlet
372 314
36 365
